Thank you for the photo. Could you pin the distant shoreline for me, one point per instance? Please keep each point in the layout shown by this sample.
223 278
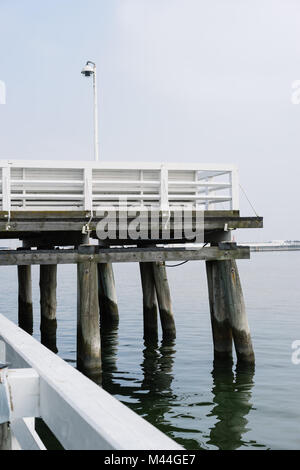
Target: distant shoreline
272 246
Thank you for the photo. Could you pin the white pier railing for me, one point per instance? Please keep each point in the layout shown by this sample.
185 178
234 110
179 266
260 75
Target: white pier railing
63 185
79 413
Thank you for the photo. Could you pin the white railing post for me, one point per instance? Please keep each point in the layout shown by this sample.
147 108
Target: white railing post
164 190
234 181
209 192
88 189
6 189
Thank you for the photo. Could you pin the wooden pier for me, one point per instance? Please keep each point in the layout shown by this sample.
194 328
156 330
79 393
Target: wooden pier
58 213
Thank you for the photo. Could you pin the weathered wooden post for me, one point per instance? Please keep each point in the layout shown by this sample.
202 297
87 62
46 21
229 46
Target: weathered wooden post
228 313
25 315
221 328
5 437
237 312
88 322
48 281
5 433
149 302
109 314
164 300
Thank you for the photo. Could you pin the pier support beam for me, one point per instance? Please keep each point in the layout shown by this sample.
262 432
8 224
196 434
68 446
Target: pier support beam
237 313
5 437
88 328
48 275
221 328
109 314
228 313
164 300
149 302
25 315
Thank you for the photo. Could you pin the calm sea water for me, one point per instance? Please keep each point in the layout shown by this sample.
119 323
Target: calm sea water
174 385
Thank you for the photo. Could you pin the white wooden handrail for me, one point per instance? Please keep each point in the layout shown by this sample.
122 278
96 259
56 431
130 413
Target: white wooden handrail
79 413
52 185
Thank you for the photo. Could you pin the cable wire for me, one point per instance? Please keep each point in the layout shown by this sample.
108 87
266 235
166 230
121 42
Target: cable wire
183 262
249 201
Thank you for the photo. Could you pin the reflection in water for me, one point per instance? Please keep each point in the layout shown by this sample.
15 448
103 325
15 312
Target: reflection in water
109 349
152 396
157 380
232 395
157 365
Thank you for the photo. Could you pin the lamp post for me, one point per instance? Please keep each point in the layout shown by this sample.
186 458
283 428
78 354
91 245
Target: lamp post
88 70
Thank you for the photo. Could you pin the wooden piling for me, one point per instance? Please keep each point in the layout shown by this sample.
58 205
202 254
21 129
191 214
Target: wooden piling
25 315
5 437
228 313
221 328
164 300
48 281
88 327
149 302
109 314
237 312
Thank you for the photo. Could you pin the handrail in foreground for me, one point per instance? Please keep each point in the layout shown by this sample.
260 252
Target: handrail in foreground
80 414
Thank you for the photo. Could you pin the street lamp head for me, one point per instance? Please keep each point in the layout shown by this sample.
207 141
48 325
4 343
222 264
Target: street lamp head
88 69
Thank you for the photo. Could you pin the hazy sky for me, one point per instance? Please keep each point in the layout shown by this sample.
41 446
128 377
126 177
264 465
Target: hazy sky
179 80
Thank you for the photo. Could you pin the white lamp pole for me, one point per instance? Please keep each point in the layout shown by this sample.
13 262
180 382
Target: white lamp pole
87 71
